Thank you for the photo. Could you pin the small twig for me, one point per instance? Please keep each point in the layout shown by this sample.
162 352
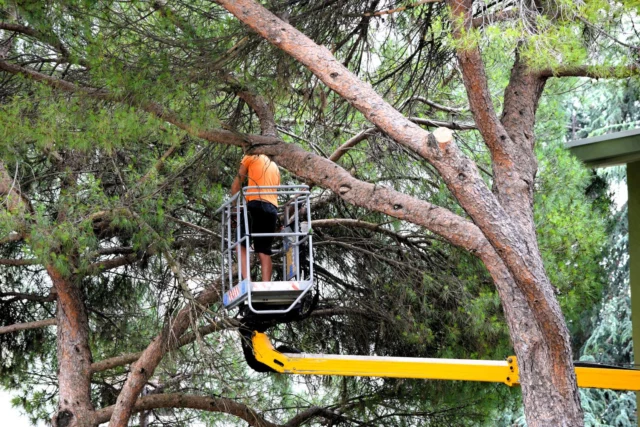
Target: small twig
607 35
442 123
194 226
396 10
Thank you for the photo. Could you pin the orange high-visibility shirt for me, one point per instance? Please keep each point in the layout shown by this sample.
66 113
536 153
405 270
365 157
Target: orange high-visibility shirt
263 172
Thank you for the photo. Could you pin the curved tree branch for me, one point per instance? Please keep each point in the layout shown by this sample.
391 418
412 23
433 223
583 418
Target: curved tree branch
29 325
313 412
432 104
203 403
15 296
350 143
110 264
442 123
146 364
493 18
593 71
51 40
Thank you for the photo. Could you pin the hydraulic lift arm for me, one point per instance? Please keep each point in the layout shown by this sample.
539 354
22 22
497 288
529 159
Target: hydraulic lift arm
437 369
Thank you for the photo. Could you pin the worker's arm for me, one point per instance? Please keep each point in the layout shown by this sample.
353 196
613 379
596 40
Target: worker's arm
239 179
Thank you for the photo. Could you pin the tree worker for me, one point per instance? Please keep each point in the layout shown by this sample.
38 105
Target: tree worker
258 171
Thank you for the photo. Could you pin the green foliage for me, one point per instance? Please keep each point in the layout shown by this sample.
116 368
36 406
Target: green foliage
571 233
108 181
610 341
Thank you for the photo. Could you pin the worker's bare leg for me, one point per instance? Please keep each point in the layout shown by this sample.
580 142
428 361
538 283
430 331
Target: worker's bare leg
267 266
244 266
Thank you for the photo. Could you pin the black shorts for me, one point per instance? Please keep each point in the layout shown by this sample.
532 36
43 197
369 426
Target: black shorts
262 218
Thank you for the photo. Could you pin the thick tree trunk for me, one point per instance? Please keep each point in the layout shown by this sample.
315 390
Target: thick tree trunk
543 403
518 118
550 394
74 356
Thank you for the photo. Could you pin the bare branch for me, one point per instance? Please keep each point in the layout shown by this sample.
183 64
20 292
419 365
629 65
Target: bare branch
30 325
115 251
349 144
344 311
17 262
203 403
441 123
347 222
114 362
17 28
194 226
311 413
432 104
110 264
15 296
402 265
262 109
607 35
397 9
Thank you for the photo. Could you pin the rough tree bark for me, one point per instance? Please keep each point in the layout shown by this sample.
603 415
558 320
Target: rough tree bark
74 355
506 220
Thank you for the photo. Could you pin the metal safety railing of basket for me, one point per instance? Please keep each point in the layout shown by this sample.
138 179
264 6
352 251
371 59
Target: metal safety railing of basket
295 235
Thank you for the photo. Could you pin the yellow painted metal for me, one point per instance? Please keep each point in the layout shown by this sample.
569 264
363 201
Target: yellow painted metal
615 379
436 369
397 367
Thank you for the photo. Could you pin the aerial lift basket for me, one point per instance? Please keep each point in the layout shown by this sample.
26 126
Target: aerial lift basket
296 251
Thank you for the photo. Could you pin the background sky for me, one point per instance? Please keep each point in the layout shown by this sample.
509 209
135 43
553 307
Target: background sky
11 416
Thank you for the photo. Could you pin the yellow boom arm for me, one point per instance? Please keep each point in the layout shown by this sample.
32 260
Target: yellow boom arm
437 369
